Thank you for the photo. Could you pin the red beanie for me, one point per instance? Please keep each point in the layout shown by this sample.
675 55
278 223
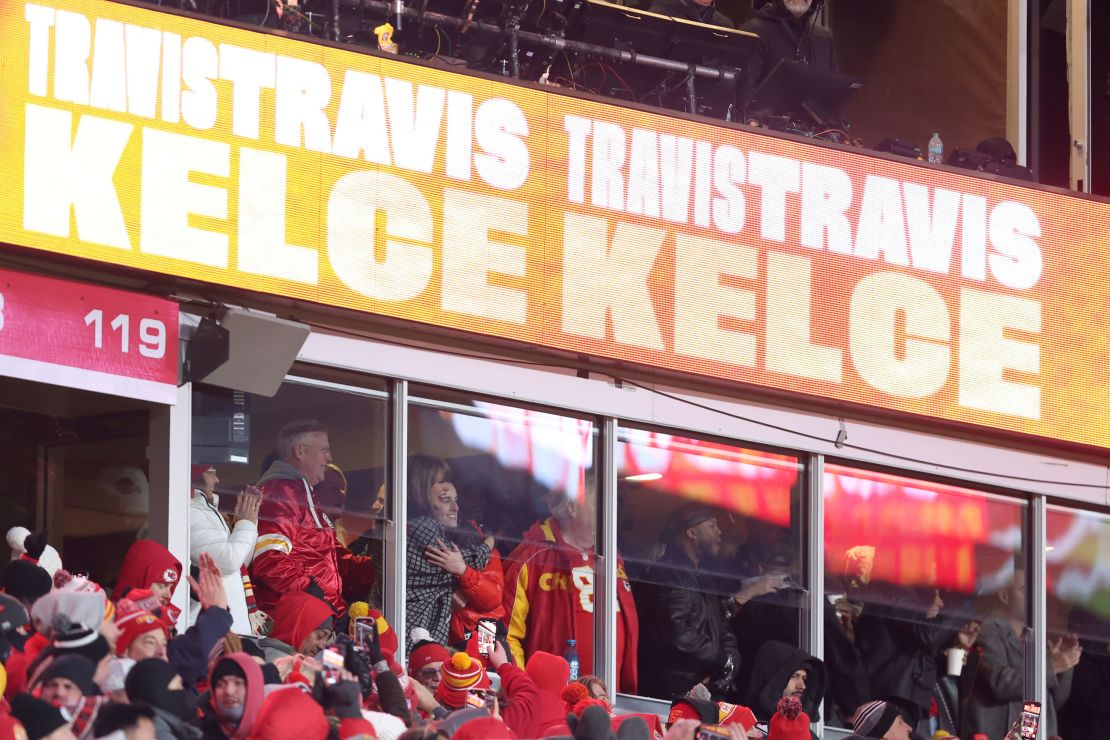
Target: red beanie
425 653
572 694
484 728
789 722
290 714
460 675
199 470
134 624
550 672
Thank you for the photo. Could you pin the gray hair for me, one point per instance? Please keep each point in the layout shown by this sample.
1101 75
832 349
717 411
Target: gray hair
293 434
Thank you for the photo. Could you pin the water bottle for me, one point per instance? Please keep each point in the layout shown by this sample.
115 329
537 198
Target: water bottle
936 149
572 657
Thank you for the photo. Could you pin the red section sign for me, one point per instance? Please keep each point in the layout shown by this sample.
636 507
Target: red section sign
88 337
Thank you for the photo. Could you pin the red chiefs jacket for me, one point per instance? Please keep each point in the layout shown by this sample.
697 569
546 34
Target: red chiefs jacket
549 597
297 544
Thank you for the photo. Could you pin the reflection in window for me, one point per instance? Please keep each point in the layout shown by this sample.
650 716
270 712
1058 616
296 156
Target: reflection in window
924 583
1079 607
521 483
712 539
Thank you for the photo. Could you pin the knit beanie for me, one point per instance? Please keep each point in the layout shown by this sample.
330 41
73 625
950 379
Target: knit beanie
688 707
426 652
874 718
789 722
460 675
226 667
734 714
133 625
75 668
572 694
57 611
32 547
77 639
12 614
25 581
38 718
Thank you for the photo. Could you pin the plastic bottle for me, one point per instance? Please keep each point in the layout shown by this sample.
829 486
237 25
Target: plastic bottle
572 657
936 149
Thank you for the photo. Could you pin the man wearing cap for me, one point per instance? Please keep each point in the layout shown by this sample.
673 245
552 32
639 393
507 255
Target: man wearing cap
231 547
426 663
880 720
67 683
687 636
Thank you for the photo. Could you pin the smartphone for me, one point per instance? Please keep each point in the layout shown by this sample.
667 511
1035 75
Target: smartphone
711 732
366 631
1030 720
487 635
332 661
476 699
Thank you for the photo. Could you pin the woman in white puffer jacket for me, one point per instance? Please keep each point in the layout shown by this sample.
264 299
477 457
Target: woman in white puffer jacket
231 547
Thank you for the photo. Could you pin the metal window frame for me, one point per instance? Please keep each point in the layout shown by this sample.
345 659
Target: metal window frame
1018 79
1079 93
396 534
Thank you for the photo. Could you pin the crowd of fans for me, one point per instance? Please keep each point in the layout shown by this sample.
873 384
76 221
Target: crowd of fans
283 638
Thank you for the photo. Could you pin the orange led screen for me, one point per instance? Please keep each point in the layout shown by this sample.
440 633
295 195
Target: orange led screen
183 147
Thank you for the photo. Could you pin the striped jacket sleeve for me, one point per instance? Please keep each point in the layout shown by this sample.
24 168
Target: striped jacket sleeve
273 564
517 605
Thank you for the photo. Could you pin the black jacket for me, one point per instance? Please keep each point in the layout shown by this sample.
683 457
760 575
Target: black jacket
691 11
782 36
899 648
684 634
774 664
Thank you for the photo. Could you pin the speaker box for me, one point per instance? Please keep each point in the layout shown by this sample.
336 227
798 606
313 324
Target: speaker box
259 351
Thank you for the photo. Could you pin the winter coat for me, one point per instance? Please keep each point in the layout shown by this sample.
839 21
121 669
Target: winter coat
231 549
522 712
189 651
1086 716
169 727
297 545
783 37
297 616
687 636
549 597
213 727
998 690
772 668
483 589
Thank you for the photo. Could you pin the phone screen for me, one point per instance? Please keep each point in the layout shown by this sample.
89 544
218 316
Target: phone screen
1030 720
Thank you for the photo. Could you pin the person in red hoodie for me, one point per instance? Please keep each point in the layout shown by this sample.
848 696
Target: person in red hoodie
148 565
549 590
237 692
550 674
291 714
303 622
297 548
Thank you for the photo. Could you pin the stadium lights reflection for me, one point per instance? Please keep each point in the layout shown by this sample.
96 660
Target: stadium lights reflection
643 477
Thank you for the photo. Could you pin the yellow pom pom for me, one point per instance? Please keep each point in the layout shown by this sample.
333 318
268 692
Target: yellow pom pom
461 661
359 609
383 626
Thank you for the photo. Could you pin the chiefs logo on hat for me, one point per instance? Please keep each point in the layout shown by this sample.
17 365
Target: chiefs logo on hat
170 575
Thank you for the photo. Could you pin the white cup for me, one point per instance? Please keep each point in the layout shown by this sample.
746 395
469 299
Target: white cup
956 661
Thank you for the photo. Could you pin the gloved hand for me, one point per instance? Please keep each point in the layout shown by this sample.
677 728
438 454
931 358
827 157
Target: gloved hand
344 698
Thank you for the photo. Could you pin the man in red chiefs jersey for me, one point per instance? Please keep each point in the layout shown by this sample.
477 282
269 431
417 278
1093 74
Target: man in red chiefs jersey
549 590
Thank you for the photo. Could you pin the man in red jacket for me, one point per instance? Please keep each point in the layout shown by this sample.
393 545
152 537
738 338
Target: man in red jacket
549 591
297 549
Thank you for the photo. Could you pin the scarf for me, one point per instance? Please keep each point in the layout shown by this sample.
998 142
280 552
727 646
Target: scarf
428 603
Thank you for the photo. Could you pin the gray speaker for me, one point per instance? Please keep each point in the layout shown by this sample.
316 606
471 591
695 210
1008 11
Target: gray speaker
260 351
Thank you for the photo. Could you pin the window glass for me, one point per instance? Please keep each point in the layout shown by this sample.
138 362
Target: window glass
1079 608
925 586
711 534
315 455
512 491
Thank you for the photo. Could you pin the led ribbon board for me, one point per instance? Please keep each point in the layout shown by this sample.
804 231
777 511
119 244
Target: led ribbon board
183 147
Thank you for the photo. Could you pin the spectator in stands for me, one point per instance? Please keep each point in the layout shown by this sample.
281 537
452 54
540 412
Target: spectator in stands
787 30
549 590
40 720
426 661
303 622
780 670
231 547
701 11
133 721
150 566
442 556
297 549
881 720
687 638
156 684
236 686
999 691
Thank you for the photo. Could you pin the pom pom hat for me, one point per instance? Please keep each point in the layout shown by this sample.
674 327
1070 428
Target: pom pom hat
874 718
460 675
789 722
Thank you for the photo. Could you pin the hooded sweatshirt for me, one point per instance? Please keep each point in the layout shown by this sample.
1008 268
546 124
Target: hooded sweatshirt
774 664
214 725
296 617
148 562
782 36
293 715
550 674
